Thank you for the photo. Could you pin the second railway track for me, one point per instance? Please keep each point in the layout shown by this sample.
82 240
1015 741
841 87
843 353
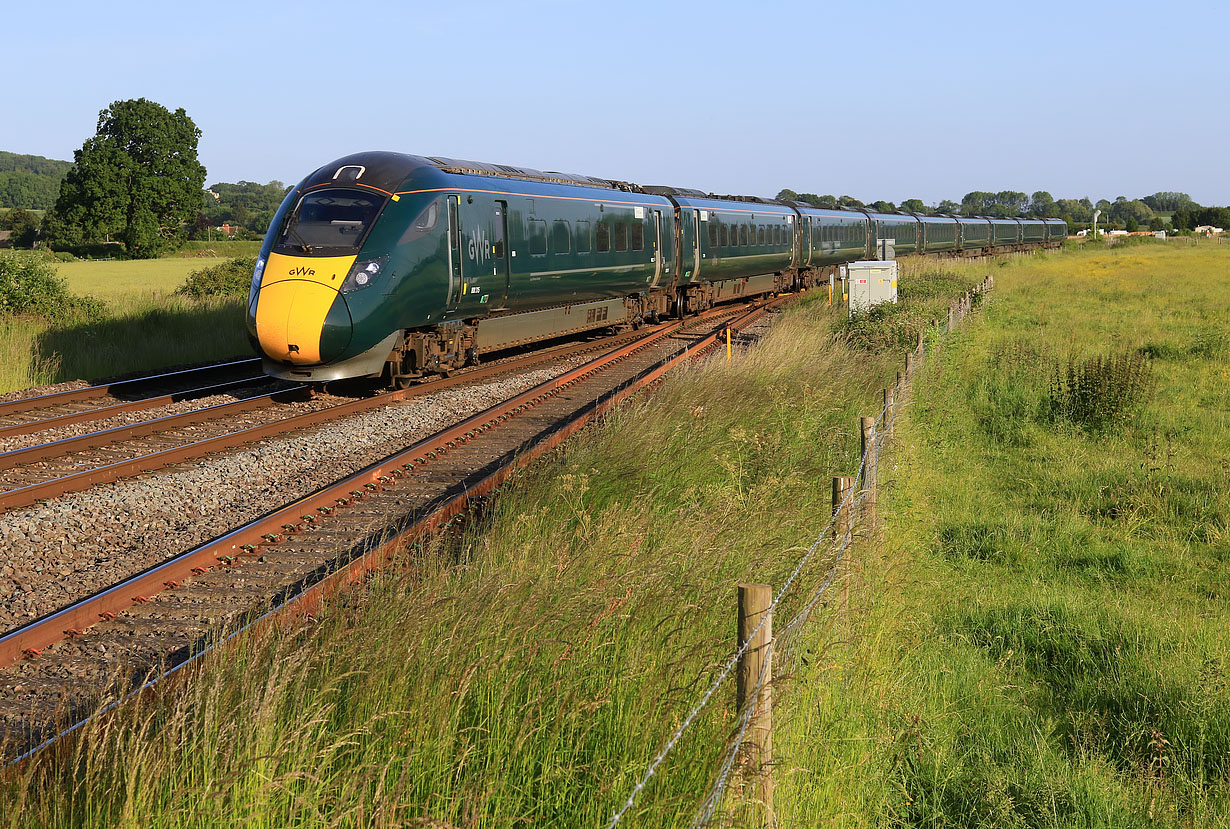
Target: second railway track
170 609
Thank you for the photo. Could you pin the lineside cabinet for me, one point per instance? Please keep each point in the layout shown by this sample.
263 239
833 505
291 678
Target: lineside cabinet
872 283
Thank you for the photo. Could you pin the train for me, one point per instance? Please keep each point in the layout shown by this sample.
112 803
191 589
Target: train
395 266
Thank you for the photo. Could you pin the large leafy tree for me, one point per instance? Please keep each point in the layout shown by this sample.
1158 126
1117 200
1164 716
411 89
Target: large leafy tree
137 181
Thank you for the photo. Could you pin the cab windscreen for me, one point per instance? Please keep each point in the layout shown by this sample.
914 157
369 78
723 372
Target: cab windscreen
329 222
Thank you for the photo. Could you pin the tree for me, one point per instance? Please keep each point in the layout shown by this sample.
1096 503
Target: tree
1157 223
1185 218
137 180
782 195
913 206
1041 204
1168 201
23 224
948 206
883 206
1131 213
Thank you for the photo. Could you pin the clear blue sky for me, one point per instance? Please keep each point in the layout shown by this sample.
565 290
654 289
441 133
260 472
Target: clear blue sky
880 100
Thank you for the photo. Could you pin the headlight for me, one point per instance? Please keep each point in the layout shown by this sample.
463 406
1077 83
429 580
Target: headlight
256 279
363 274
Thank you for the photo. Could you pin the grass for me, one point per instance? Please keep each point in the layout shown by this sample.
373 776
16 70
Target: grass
144 326
1038 638
127 279
526 669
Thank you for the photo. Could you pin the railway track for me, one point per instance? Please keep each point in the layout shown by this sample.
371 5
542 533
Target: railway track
41 471
29 415
302 551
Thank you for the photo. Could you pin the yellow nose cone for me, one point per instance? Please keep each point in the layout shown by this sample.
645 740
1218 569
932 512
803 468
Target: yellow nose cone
289 319
295 297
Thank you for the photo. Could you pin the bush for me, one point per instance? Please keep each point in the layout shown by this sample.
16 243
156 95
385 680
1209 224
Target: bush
29 285
230 278
1101 391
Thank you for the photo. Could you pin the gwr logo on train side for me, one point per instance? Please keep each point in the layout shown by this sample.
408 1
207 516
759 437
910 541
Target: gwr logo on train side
302 271
480 247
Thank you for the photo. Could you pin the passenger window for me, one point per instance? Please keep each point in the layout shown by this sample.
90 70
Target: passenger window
561 237
713 235
638 235
603 232
621 236
743 235
725 236
760 235
537 237
582 237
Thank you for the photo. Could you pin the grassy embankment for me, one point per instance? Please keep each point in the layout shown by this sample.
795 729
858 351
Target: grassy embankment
525 671
1040 640
142 325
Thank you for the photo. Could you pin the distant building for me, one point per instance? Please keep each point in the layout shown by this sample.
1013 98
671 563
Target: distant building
1208 230
6 238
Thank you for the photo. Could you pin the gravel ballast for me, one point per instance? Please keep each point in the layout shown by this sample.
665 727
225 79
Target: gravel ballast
69 547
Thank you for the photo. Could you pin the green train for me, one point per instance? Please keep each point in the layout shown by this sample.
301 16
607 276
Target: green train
388 265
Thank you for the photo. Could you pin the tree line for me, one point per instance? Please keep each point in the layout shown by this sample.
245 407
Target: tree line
1124 213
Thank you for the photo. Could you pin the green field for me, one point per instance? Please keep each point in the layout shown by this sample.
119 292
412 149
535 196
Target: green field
1038 639
143 326
120 280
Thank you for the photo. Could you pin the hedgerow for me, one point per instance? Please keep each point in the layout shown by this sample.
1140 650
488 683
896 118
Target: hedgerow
230 278
29 285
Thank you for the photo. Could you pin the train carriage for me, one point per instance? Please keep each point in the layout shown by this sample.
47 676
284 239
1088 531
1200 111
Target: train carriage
1056 231
730 246
901 230
941 234
1005 233
831 237
1033 231
975 234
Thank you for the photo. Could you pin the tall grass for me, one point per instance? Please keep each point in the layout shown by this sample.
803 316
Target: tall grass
525 670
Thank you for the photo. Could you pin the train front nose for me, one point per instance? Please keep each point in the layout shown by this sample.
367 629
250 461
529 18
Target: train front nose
301 318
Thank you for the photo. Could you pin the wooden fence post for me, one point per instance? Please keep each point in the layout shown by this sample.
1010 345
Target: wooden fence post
754 603
950 323
867 426
909 364
842 485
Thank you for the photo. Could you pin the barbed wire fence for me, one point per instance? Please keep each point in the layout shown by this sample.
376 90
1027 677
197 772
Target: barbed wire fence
854 498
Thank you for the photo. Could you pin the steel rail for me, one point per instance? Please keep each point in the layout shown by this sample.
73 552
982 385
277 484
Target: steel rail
102 412
230 548
129 431
41 401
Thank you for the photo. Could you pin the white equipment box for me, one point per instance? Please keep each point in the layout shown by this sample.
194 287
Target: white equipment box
872 283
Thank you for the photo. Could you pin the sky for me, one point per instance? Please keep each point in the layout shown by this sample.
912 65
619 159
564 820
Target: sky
878 100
